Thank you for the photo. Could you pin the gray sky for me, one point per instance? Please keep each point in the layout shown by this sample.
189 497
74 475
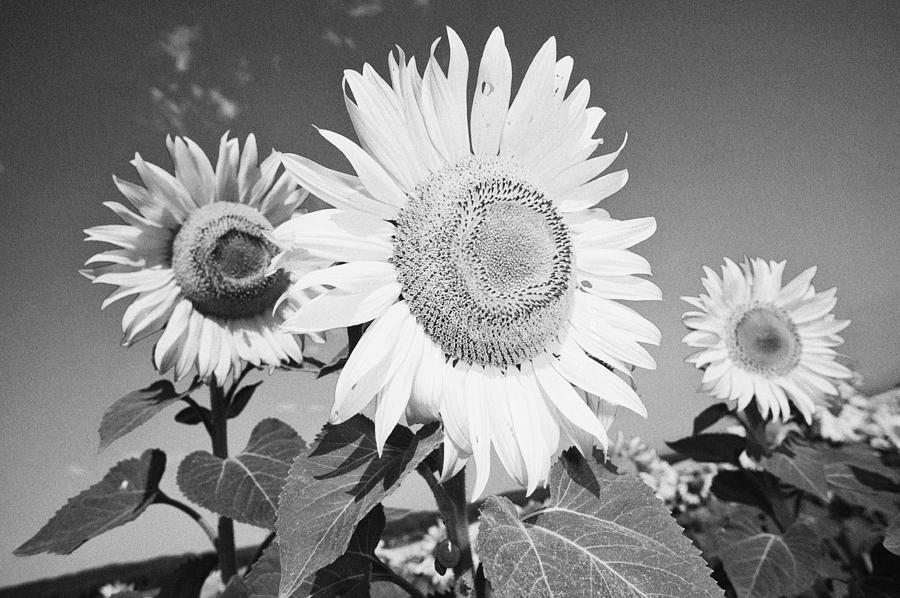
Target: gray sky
768 129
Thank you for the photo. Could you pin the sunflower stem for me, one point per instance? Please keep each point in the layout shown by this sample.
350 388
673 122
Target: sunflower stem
219 436
450 497
164 499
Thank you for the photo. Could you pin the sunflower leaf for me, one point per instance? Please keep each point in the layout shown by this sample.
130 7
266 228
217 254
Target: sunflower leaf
599 534
244 487
800 466
862 488
333 485
761 563
241 398
121 496
710 416
137 408
715 448
860 457
346 577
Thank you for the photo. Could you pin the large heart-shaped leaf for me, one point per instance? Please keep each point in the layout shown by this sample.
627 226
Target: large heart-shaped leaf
244 487
762 564
800 466
121 496
136 408
331 487
347 577
600 534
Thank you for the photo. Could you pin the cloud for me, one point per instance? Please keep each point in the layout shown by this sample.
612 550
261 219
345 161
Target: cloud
336 40
177 44
75 470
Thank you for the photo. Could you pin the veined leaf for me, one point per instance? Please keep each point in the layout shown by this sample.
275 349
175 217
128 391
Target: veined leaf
861 457
715 448
800 466
347 577
762 564
136 408
332 486
121 496
600 534
244 487
848 484
710 416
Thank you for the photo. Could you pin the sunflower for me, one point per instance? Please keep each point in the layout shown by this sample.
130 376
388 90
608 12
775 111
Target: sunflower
471 246
764 340
194 257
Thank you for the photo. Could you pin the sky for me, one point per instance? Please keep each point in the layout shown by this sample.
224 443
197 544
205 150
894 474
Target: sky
763 129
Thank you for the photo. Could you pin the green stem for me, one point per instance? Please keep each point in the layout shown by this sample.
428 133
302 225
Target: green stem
450 497
164 499
219 435
390 575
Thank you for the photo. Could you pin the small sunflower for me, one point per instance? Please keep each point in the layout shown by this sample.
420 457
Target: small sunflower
764 340
472 247
194 258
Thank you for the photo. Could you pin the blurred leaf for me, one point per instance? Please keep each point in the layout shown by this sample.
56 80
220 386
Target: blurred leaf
847 484
754 488
189 416
244 487
600 534
714 448
892 536
136 408
121 496
874 587
241 398
332 486
800 466
762 564
859 457
710 416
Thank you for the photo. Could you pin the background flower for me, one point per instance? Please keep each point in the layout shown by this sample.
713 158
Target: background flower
764 340
492 284
193 258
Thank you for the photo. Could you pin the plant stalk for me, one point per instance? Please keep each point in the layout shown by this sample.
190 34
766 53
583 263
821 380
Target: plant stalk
219 436
165 499
450 497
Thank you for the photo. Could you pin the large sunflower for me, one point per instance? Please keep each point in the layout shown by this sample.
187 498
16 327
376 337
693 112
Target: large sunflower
759 339
194 258
472 246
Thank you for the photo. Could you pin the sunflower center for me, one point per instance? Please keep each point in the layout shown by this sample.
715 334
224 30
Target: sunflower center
484 261
219 259
765 340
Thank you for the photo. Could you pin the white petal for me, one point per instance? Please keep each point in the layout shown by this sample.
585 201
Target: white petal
338 189
592 193
492 91
397 391
226 169
354 277
370 172
337 309
337 234
366 372
615 234
585 373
